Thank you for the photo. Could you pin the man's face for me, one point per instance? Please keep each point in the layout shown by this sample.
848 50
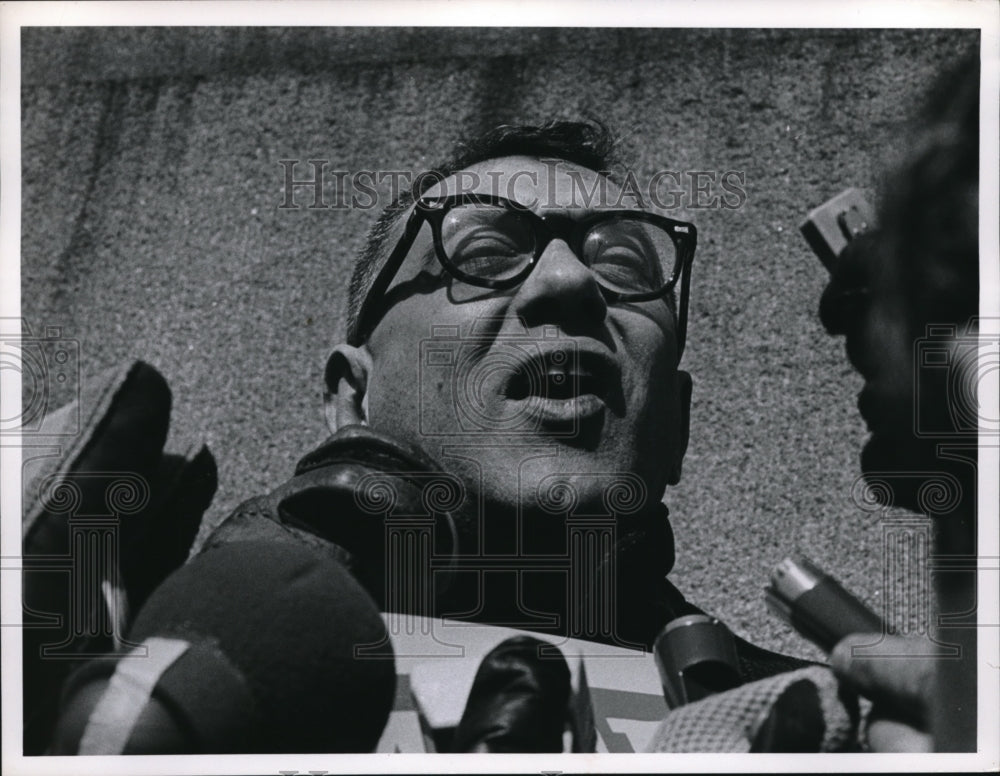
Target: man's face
912 381
590 389
862 305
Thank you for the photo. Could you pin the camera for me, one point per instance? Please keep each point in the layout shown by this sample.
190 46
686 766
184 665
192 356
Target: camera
475 375
48 369
949 366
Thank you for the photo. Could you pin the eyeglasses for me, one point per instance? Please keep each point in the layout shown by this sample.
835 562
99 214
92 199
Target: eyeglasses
493 242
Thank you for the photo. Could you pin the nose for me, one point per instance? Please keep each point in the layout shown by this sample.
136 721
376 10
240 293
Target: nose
846 297
560 289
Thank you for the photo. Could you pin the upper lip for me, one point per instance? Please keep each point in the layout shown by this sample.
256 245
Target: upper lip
563 371
860 356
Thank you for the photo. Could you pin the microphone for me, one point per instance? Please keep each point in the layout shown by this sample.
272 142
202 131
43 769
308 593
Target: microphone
816 605
252 647
696 657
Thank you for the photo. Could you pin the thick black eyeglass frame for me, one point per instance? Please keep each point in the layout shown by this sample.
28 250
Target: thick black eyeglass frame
546 228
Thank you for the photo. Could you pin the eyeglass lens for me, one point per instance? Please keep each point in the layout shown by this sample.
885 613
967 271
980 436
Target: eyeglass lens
489 242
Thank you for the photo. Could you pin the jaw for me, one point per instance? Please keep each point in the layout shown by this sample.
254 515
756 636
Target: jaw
917 477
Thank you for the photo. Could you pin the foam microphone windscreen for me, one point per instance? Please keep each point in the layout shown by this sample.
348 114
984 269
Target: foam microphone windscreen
250 647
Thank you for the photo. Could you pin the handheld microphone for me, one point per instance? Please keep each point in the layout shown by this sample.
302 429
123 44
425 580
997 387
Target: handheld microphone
251 647
696 657
816 605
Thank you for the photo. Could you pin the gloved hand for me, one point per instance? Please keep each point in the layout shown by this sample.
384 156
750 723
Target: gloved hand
111 505
518 700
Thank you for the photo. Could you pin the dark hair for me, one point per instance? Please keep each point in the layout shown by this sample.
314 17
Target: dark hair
589 144
930 210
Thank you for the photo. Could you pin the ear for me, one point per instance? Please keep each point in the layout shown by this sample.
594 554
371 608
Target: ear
345 400
683 393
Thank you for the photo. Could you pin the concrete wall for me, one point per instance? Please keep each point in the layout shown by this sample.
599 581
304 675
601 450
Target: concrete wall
151 229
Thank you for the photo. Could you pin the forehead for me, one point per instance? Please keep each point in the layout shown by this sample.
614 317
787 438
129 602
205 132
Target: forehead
541 184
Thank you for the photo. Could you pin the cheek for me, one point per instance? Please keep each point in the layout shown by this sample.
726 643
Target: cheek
890 347
392 385
648 370
388 407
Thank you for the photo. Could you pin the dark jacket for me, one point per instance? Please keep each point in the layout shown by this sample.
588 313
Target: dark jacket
347 497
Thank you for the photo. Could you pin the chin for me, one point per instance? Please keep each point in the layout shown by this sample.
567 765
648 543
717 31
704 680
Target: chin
897 469
521 476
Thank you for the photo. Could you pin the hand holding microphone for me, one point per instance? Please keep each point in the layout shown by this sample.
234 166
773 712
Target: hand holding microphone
793 711
893 673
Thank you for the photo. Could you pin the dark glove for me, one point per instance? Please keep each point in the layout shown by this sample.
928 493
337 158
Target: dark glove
518 700
106 518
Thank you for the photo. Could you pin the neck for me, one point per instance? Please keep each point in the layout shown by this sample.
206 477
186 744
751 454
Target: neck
535 570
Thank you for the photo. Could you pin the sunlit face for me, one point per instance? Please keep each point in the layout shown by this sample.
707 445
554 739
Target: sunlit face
508 388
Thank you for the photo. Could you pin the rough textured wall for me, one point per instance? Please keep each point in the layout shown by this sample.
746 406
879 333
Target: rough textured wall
150 228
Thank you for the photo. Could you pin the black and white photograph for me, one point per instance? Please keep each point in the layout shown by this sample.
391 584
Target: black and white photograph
302 474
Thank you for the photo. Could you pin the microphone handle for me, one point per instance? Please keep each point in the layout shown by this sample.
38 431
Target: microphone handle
827 613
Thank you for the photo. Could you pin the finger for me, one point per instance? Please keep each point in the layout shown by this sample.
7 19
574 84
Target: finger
889 670
892 735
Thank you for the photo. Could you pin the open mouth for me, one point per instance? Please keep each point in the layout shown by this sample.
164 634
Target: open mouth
561 389
554 384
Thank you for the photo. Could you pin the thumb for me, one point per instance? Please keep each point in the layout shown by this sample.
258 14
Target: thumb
889 670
